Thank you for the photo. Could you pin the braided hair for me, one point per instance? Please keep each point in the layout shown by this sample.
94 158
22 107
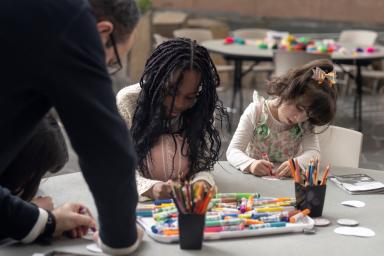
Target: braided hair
196 125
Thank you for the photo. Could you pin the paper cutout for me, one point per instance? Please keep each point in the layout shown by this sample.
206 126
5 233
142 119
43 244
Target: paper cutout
353 203
94 248
347 222
355 231
321 222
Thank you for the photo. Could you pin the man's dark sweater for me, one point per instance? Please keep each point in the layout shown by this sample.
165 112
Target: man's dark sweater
51 56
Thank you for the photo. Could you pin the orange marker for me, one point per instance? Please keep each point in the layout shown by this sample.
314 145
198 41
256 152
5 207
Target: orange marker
295 218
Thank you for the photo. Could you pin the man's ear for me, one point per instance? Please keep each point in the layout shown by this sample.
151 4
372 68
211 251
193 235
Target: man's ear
105 28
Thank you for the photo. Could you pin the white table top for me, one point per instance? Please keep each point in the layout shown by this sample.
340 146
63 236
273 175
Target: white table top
253 51
71 187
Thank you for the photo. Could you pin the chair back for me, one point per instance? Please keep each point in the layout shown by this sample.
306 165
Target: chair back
358 37
250 33
198 34
286 60
340 146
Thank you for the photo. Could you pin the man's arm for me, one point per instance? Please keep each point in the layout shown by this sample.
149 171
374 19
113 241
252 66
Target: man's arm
80 89
18 219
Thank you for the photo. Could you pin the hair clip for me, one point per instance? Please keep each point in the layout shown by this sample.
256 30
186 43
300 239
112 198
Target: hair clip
319 75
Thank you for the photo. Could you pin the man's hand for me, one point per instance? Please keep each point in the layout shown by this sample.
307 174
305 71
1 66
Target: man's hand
70 218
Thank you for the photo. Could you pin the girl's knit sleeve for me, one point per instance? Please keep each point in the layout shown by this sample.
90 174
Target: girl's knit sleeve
236 155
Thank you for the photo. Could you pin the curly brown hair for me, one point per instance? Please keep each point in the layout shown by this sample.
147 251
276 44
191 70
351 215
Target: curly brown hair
298 87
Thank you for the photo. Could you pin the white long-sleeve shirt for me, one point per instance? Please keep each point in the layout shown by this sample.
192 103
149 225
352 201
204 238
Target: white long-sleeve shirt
245 132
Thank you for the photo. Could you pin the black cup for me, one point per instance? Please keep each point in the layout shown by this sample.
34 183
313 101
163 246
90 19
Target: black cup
191 230
310 197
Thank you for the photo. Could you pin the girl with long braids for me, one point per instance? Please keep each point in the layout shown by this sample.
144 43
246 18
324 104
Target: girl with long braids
171 115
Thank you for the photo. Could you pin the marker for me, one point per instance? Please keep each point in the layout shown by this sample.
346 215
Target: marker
252 222
274 209
237 196
274 218
163 201
227 222
243 205
295 218
268 225
249 203
224 228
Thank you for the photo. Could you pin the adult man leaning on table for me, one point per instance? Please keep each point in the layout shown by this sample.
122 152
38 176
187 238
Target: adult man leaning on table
52 56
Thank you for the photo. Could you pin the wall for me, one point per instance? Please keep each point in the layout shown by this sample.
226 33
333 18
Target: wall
366 11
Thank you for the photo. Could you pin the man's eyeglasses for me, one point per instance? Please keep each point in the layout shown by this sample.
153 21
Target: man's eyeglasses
116 65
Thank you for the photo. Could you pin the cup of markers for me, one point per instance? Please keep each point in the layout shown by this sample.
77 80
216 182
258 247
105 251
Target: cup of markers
309 189
191 201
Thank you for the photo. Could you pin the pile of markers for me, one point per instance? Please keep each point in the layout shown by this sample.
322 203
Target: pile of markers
308 177
232 212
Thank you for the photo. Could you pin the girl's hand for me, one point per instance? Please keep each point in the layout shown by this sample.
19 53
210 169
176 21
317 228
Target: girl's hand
283 170
161 190
44 202
261 168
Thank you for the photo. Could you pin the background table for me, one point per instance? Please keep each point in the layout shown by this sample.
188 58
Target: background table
71 187
240 53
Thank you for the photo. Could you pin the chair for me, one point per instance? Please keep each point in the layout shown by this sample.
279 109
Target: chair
159 39
250 33
357 38
286 60
339 146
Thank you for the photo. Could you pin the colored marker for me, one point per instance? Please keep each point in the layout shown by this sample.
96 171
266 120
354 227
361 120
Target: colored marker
268 225
163 201
295 218
224 228
238 196
252 222
227 222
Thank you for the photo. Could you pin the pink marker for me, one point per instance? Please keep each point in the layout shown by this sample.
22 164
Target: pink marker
265 157
224 228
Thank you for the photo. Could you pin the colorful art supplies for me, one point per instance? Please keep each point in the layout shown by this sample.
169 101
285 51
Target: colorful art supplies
191 201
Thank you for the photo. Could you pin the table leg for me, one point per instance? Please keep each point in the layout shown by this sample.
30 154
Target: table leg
358 99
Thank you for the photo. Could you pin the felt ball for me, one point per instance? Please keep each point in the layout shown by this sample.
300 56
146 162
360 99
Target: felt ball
229 40
370 49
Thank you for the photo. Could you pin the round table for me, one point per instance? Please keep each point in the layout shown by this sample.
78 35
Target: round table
239 53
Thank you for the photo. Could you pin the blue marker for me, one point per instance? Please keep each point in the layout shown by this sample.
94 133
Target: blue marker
163 201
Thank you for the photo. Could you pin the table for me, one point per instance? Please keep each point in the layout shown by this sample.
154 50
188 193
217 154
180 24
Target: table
324 242
239 53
